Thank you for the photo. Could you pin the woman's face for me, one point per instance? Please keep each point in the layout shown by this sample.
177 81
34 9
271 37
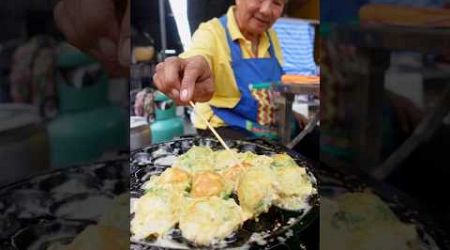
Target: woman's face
256 16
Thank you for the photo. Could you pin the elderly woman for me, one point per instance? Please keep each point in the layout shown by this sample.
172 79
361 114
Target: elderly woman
223 70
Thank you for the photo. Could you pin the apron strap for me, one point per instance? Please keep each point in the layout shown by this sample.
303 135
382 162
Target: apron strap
235 48
271 50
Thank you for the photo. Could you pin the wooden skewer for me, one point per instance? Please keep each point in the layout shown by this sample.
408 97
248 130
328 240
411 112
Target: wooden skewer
210 127
214 132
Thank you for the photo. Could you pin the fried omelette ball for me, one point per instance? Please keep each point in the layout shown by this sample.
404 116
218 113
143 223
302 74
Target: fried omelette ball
256 190
196 159
171 178
233 173
156 212
294 187
208 183
207 220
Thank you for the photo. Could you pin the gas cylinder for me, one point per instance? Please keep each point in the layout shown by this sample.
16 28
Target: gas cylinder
167 124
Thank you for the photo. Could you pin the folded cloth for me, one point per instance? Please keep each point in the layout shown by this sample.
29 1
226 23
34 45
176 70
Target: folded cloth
405 16
300 79
296 38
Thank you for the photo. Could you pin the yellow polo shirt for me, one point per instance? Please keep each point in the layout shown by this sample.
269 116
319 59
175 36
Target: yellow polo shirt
210 41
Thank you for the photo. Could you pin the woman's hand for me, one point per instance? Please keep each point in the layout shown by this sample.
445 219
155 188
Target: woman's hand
185 80
100 28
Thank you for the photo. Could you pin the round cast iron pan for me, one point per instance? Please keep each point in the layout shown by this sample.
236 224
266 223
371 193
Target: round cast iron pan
147 162
36 212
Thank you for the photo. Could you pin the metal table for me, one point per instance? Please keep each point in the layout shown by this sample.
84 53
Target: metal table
283 104
374 44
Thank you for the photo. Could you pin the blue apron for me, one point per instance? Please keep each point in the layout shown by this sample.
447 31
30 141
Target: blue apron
249 112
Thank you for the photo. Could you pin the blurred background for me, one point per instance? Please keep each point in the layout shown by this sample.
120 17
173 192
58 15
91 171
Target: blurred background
64 132
58 107
385 95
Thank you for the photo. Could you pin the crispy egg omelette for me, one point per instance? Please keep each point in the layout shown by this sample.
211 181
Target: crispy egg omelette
171 178
156 212
293 183
195 193
210 219
256 190
196 159
208 183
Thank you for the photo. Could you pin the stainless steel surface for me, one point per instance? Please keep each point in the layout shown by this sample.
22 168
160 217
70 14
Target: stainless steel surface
162 25
375 36
375 42
298 88
140 133
283 103
421 134
24 144
308 128
284 116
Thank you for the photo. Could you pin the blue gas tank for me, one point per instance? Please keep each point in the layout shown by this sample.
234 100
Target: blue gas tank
86 125
167 124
